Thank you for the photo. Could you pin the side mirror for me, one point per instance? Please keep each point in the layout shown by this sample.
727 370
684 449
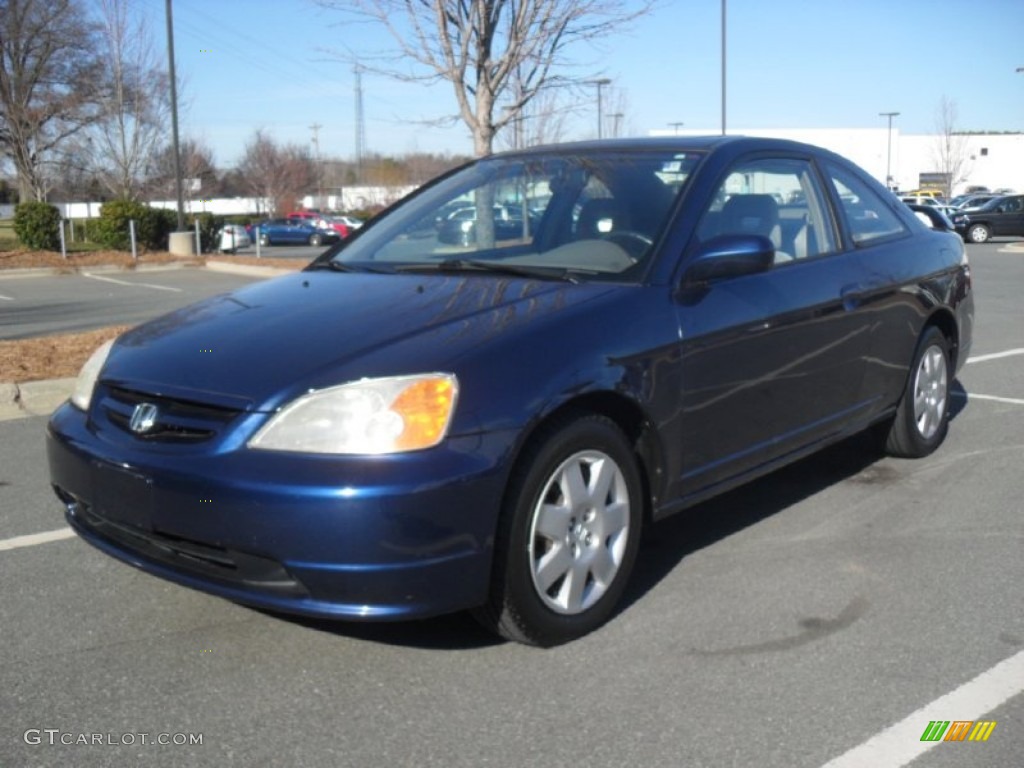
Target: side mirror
730 256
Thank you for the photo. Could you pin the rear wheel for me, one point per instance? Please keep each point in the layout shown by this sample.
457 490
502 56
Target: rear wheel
978 233
568 534
922 418
315 240
264 240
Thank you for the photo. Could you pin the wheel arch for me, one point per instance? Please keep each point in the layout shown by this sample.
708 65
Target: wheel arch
945 321
628 416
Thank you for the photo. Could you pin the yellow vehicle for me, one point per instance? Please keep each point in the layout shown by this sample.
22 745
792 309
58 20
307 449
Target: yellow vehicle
925 193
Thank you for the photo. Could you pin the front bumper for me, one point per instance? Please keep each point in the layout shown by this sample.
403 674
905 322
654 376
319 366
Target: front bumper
388 537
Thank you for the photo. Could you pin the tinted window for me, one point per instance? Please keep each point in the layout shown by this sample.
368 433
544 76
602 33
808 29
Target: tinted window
868 215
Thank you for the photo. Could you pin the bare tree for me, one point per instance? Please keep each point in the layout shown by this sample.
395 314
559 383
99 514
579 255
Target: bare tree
50 77
543 120
197 163
951 151
135 108
496 54
280 175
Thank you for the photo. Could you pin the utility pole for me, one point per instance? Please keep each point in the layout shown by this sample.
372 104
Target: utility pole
616 121
315 128
600 83
675 127
360 123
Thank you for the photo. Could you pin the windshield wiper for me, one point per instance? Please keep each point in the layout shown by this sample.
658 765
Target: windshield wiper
338 266
495 267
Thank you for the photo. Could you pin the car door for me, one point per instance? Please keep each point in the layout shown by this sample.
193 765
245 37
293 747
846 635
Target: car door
771 362
1009 218
295 231
888 283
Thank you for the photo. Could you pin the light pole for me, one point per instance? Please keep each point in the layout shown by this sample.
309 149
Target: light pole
174 119
723 67
888 148
600 83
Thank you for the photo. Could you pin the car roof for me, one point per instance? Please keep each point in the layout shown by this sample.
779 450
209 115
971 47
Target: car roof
678 143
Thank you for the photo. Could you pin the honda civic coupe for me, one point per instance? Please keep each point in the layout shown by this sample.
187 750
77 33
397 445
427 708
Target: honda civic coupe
408 427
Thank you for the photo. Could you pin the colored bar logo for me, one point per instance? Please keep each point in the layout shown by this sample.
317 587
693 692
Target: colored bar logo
958 730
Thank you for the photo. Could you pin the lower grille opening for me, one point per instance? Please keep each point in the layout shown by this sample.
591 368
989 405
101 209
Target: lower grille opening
194 557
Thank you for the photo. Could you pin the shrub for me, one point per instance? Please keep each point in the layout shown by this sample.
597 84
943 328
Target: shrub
152 225
37 225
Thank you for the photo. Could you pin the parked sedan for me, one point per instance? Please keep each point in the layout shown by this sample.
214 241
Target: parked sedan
399 432
294 232
232 237
460 228
998 217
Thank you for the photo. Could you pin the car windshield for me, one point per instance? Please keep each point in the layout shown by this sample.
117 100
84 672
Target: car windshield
578 214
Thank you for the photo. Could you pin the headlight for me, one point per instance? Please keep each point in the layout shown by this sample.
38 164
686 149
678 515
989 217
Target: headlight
404 413
86 382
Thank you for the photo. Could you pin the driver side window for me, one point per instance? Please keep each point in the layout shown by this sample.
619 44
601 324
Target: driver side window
777 198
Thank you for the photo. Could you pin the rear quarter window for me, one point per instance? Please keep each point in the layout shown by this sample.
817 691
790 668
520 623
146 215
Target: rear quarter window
868 216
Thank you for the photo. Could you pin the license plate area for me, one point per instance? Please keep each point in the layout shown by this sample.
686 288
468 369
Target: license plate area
122 496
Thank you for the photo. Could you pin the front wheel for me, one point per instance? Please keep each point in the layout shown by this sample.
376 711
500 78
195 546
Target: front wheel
922 417
315 240
264 240
568 534
978 233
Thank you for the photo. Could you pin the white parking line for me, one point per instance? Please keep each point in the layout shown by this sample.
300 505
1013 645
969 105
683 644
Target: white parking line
6 298
994 356
993 398
33 539
127 282
901 743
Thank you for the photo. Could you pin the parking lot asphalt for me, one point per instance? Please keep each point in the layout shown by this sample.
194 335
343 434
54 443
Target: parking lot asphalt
832 608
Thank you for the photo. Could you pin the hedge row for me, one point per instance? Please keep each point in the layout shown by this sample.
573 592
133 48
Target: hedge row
37 226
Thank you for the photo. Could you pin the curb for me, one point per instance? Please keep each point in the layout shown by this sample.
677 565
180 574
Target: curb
33 398
78 269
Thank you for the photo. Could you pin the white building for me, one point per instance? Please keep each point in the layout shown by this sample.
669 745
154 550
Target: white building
991 160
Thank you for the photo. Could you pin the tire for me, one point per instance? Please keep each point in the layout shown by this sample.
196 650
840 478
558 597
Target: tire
264 240
978 233
922 417
561 563
315 240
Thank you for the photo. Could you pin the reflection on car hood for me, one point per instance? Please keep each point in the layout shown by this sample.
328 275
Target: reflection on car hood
260 345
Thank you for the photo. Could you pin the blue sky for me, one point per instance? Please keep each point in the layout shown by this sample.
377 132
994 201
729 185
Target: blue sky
249 64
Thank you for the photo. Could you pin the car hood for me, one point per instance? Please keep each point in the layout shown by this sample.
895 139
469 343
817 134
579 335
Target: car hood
259 346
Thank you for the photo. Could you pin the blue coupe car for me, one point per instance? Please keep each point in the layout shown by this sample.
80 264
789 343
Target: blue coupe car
410 427
294 232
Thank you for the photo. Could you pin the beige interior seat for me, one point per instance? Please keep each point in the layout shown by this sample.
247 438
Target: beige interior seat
754 214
